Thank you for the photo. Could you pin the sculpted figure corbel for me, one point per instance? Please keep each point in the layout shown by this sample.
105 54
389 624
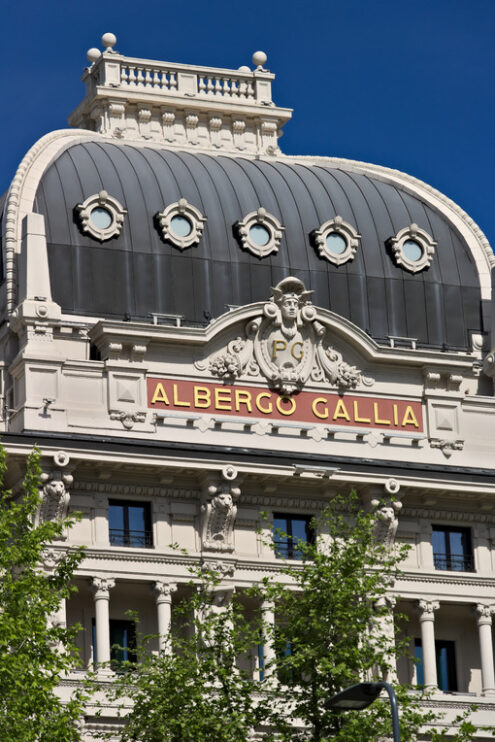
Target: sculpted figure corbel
218 512
386 505
54 491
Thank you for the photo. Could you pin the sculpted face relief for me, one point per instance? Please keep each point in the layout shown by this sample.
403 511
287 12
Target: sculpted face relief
333 409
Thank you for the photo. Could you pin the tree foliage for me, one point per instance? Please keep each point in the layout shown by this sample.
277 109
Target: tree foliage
197 690
331 632
34 654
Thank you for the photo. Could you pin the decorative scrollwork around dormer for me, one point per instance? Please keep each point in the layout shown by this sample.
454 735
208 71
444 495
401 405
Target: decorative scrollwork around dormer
286 345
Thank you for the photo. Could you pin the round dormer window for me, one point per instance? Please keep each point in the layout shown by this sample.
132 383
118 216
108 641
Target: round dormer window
259 232
336 241
259 235
412 248
181 224
101 216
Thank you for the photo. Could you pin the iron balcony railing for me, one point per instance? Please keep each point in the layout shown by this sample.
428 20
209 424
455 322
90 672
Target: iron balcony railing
454 563
123 537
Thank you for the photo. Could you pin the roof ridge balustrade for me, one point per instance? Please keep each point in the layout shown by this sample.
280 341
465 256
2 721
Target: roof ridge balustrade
180 105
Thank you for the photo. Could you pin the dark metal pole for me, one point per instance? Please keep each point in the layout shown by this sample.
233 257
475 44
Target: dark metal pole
394 707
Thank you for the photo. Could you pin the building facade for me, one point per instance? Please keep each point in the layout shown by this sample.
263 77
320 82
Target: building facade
198 328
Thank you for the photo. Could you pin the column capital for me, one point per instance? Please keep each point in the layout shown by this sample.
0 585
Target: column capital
163 590
426 609
101 587
484 613
385 601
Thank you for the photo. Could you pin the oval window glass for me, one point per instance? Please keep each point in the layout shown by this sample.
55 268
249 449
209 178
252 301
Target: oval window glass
335 243
412 250
101 218
259 235
180 226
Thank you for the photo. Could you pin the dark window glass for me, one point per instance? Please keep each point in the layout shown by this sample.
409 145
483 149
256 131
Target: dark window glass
446 668
452 549
288 531
129 523
122 642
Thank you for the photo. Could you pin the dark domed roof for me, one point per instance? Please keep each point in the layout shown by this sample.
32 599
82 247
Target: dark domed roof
137 273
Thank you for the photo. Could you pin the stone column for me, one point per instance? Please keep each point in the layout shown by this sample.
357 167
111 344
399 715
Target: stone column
163 595
426 610
269 655
484 620
101 587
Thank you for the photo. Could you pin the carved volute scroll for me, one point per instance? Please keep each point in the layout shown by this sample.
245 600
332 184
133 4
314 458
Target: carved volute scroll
218 512
286 344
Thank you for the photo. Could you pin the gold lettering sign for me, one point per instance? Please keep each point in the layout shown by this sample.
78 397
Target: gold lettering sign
349 410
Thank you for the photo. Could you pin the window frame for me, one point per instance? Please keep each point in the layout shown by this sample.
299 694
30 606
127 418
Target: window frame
290 544
126 531
449 559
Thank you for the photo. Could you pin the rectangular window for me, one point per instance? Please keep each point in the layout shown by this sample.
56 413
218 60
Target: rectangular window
129 523
122 642
288 531
452 549
446 668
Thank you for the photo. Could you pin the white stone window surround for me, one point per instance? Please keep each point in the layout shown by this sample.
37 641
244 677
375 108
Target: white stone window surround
185 212
101 201
336 226
260 219
422 239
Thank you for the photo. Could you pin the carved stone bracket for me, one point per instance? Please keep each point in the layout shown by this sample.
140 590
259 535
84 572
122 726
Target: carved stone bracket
55 497
447 446
386 507
218 511
128 419
222 569
286 344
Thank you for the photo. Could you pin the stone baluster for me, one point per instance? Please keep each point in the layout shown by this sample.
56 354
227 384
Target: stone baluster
101 587
163 594
269 655
426 610
484 620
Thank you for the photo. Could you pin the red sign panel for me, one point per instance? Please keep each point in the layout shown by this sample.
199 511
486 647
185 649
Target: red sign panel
345 410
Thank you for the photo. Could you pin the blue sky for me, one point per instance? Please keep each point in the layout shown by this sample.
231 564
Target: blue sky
402 83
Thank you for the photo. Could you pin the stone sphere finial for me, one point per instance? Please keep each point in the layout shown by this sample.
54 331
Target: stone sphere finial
93 54
109 40
244 68
259 59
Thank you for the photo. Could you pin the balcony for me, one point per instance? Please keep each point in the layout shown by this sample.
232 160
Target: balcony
125 537
454 562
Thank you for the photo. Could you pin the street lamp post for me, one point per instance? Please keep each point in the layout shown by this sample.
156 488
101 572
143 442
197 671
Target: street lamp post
359 696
